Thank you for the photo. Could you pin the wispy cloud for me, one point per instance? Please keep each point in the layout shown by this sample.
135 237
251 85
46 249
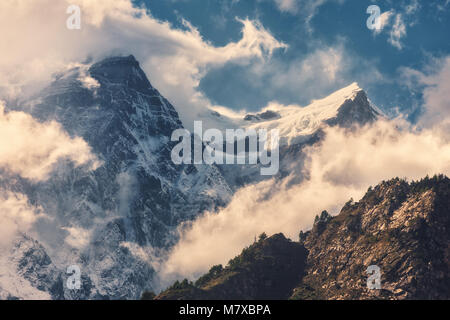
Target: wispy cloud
435 85
307 8
397 22
397 32
321 71
384 21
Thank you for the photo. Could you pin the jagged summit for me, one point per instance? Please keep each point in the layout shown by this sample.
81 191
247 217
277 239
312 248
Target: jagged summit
345 107
348 92
109 96
301 126
122 70
132 202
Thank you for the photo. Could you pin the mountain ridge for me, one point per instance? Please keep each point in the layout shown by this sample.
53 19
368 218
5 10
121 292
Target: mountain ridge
401 227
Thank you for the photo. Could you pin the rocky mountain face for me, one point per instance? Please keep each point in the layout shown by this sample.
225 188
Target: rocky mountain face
130 205
300 127
128 124
403 228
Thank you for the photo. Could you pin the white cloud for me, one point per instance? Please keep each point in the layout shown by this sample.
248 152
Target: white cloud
31 149
342 166
384 21
435 83
397 32
443 6
412 7
308 8
37 43
436 95
397 22
322 66
77 237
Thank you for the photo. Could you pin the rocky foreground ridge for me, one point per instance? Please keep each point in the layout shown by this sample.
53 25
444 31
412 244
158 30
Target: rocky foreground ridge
401 227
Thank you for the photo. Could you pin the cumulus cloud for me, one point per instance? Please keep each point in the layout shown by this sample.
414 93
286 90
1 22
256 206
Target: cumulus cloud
396 22
16 215
31 149
344 165
77 237
174 59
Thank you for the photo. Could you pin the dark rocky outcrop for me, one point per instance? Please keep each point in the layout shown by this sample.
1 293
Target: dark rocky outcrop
403 228
268 269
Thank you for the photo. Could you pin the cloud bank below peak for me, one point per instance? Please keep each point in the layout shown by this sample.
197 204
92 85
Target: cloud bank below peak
342 166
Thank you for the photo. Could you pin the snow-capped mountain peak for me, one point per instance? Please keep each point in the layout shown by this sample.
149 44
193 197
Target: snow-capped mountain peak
345 107
133 202
341 95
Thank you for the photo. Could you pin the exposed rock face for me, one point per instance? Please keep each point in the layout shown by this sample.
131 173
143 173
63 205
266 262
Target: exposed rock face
266 270
402 228
128 206
354 111
128 124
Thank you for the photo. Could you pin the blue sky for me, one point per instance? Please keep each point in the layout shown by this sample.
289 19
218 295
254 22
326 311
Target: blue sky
326 29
